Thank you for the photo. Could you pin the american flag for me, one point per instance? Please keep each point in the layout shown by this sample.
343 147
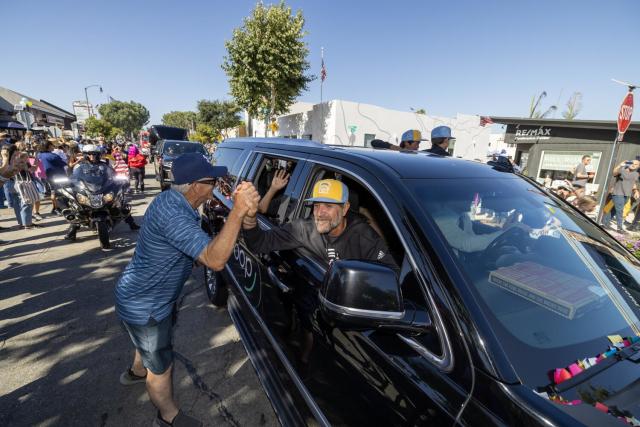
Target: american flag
323 71
484 120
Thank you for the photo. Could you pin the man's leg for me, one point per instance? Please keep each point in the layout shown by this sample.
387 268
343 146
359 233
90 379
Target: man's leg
160 389
137 367
618 202
142 179
71 232
132 224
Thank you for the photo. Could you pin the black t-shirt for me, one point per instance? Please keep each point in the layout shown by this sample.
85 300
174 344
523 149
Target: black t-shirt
358 241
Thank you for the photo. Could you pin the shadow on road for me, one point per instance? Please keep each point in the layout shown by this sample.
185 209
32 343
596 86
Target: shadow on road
62 348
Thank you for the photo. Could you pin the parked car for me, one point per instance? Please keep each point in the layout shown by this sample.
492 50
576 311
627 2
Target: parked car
510 307
166 152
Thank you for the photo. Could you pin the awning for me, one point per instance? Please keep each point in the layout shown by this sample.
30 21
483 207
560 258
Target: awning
12 125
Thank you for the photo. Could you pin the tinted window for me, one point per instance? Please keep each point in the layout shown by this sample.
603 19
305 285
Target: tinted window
274 171
553 285
232 159
177 148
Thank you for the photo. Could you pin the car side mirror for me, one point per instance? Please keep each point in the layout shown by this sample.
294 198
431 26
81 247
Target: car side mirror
361 294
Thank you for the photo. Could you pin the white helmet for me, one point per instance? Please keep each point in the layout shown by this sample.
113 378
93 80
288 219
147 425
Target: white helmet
90 148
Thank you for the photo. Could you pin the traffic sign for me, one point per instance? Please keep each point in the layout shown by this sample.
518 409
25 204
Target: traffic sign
624 116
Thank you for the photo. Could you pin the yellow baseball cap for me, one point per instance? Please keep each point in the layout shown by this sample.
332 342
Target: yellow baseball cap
329 191
412 135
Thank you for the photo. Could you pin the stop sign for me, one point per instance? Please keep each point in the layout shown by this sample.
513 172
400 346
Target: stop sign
624 116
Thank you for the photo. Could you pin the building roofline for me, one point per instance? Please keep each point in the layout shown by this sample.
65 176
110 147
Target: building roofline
58 108
582 124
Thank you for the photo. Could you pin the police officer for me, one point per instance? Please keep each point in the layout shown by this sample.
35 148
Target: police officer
92 160
440 138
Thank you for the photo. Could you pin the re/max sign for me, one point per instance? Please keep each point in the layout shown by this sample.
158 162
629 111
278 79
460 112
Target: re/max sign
541 132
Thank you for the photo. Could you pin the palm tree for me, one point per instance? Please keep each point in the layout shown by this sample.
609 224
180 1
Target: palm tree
534 113
574 105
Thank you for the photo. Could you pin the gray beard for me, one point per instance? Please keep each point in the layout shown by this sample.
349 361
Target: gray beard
332 225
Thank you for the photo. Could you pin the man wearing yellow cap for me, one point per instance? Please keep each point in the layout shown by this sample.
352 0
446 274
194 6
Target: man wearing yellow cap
332 233
411 140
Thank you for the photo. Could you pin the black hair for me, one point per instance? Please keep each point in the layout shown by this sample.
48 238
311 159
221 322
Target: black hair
438 141
402 144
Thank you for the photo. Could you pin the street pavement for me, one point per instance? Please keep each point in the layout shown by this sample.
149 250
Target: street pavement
62 348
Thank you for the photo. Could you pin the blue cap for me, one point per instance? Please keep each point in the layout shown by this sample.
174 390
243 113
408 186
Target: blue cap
441 132
191 167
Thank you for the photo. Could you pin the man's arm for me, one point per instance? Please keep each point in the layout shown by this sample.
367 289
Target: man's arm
280 180
218 251
288 236
617 169
581 171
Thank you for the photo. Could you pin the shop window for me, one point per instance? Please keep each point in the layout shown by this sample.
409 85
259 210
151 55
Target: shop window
560 165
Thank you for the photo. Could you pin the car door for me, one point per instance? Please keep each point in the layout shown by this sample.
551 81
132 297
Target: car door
158 159
265 291
365 376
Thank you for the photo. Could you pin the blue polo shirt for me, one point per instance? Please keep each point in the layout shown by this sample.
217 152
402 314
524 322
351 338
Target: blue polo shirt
52 164
169 241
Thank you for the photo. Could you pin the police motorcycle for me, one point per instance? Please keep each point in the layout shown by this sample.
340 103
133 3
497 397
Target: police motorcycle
93 196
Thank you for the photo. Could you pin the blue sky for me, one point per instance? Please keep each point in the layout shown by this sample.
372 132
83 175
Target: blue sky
473 57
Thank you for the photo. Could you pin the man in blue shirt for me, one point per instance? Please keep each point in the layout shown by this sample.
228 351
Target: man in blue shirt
170 240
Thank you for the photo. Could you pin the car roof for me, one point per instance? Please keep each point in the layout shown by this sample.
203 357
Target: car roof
181 141
405 164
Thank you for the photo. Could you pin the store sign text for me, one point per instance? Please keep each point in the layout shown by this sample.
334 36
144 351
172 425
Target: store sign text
539 133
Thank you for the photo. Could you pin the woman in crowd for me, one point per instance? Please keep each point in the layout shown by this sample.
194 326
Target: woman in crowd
23 208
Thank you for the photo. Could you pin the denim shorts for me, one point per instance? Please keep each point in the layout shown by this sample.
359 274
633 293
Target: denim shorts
153 342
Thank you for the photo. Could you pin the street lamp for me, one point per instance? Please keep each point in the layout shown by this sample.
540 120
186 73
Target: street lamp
86 97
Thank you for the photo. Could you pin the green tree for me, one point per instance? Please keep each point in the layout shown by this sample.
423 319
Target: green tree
128 116
181 119
267 59
219 115
204 133
95 127
574 106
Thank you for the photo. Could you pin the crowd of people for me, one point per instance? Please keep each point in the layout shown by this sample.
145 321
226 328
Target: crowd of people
28 167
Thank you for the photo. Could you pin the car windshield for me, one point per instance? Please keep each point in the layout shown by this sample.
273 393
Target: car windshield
176 148
552 284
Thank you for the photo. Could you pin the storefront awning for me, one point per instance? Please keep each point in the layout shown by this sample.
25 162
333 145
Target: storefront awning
12 125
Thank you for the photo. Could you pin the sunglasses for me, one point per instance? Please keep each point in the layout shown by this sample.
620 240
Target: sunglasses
208 181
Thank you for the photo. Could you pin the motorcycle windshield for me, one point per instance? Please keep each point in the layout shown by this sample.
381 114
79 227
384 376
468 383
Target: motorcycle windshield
94 176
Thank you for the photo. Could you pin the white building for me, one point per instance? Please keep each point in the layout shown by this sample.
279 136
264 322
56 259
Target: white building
497 143
356 124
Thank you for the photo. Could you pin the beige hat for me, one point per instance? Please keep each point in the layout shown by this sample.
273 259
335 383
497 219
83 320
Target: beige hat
3 134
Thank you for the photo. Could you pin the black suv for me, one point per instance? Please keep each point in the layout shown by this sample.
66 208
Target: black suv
510 307
166 152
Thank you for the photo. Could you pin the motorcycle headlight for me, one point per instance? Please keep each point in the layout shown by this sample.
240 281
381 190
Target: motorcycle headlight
83 200
107 197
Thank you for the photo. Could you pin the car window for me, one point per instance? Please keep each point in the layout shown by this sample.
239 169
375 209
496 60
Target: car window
367 206
272 171
177 148
553 285
232 159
